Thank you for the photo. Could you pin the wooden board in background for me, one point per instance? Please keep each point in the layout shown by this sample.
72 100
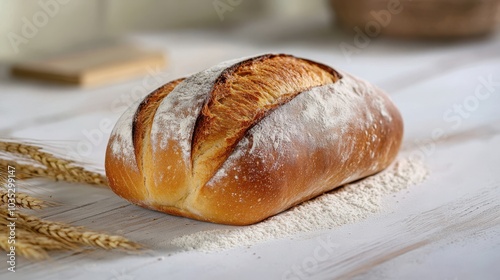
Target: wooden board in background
92 67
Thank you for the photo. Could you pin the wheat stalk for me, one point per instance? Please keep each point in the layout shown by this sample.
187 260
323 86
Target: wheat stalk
29 251
43 241
54 167
35 236
36 239
22 200
25 171
67 233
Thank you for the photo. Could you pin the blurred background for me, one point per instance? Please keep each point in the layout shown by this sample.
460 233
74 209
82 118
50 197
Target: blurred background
48 26
79 22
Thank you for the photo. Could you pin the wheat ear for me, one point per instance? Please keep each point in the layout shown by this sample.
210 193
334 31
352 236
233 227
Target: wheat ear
67 233
37 239
29 251
22 200
55 167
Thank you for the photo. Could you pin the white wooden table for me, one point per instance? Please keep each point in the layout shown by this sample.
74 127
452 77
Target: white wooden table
445 228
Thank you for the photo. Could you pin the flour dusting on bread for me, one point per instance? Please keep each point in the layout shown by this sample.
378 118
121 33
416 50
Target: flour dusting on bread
176 116
330 109
123 146
266 142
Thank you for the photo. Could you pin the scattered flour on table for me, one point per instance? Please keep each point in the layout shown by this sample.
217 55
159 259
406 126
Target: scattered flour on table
349 204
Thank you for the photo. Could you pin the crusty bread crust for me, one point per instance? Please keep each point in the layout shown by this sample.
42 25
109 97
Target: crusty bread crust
244 94
245 140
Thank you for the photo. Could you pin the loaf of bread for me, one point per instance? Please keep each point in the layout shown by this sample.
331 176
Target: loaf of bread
250 138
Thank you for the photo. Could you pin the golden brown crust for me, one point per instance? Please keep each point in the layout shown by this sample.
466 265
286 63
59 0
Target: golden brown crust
124 179
317 130
242 96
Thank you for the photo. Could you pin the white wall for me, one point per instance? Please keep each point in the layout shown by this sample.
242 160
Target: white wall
29 28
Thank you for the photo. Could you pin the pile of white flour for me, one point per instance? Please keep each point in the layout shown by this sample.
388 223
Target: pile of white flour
349 204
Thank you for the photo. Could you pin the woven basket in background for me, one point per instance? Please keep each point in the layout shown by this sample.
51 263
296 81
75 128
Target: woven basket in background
421 18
